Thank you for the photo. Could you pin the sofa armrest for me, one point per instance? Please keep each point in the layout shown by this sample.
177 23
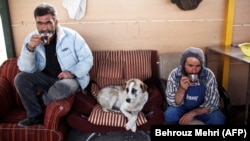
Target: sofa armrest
6 101
84 103
55 111
155 100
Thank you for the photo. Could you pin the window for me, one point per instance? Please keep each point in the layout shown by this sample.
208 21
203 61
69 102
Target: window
7 49
3 53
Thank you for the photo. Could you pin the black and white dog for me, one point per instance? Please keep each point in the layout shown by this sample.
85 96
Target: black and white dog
128 99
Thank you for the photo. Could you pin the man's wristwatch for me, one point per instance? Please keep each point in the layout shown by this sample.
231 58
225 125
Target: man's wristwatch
30 50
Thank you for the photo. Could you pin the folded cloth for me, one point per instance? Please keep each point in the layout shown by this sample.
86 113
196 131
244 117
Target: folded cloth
76 8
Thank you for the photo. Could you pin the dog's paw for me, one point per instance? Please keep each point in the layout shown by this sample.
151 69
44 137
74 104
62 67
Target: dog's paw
130 127
105 110
116 111
127 127
133 128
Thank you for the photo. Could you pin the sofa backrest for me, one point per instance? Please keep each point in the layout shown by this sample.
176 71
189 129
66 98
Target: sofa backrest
8 70
116 67
167 62
110 68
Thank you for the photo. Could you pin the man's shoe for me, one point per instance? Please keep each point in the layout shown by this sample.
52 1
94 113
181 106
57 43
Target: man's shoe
31 121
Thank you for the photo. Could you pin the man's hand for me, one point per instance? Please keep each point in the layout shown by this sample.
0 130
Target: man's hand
66 75
35 40
186 118
184 82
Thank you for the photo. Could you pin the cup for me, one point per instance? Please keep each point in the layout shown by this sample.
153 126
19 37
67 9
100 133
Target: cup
194 79
45 37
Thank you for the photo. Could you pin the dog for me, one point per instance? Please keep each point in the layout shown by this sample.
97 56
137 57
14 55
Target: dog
129 99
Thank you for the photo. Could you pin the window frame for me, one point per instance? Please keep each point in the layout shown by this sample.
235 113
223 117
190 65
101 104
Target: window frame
7 28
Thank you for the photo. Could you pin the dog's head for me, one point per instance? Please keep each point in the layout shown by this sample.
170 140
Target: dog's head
134 88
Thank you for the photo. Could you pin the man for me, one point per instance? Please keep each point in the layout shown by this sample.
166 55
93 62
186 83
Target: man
57 64
198 100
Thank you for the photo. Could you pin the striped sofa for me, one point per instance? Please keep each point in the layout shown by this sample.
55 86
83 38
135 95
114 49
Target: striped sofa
54 127
114 68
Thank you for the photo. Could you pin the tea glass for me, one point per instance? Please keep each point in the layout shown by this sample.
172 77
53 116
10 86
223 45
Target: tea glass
45 37
194 79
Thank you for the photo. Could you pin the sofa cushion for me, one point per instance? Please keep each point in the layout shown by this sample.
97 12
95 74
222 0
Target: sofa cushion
99 117
110 69
116 67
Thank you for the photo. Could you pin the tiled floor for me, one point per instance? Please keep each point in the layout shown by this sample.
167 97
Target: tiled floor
75 135
237 114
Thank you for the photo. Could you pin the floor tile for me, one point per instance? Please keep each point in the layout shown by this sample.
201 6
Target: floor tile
75 135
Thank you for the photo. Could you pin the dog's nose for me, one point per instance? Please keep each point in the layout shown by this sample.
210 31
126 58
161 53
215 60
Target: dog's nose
128 100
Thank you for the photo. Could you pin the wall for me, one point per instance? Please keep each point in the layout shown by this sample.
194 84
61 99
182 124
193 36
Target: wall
134 24
144 24
241 22
140 24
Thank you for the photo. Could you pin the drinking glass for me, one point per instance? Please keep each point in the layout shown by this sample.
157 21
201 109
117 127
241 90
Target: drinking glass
194 79
45 37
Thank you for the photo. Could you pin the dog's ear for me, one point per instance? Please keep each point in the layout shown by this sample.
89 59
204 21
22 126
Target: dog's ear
124 86
144 87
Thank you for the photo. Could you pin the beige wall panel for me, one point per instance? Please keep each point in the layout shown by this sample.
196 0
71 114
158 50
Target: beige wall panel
141 35
242 11
241 22
145 13
117 10
150 9
22 12
20 33
132 24
241 34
